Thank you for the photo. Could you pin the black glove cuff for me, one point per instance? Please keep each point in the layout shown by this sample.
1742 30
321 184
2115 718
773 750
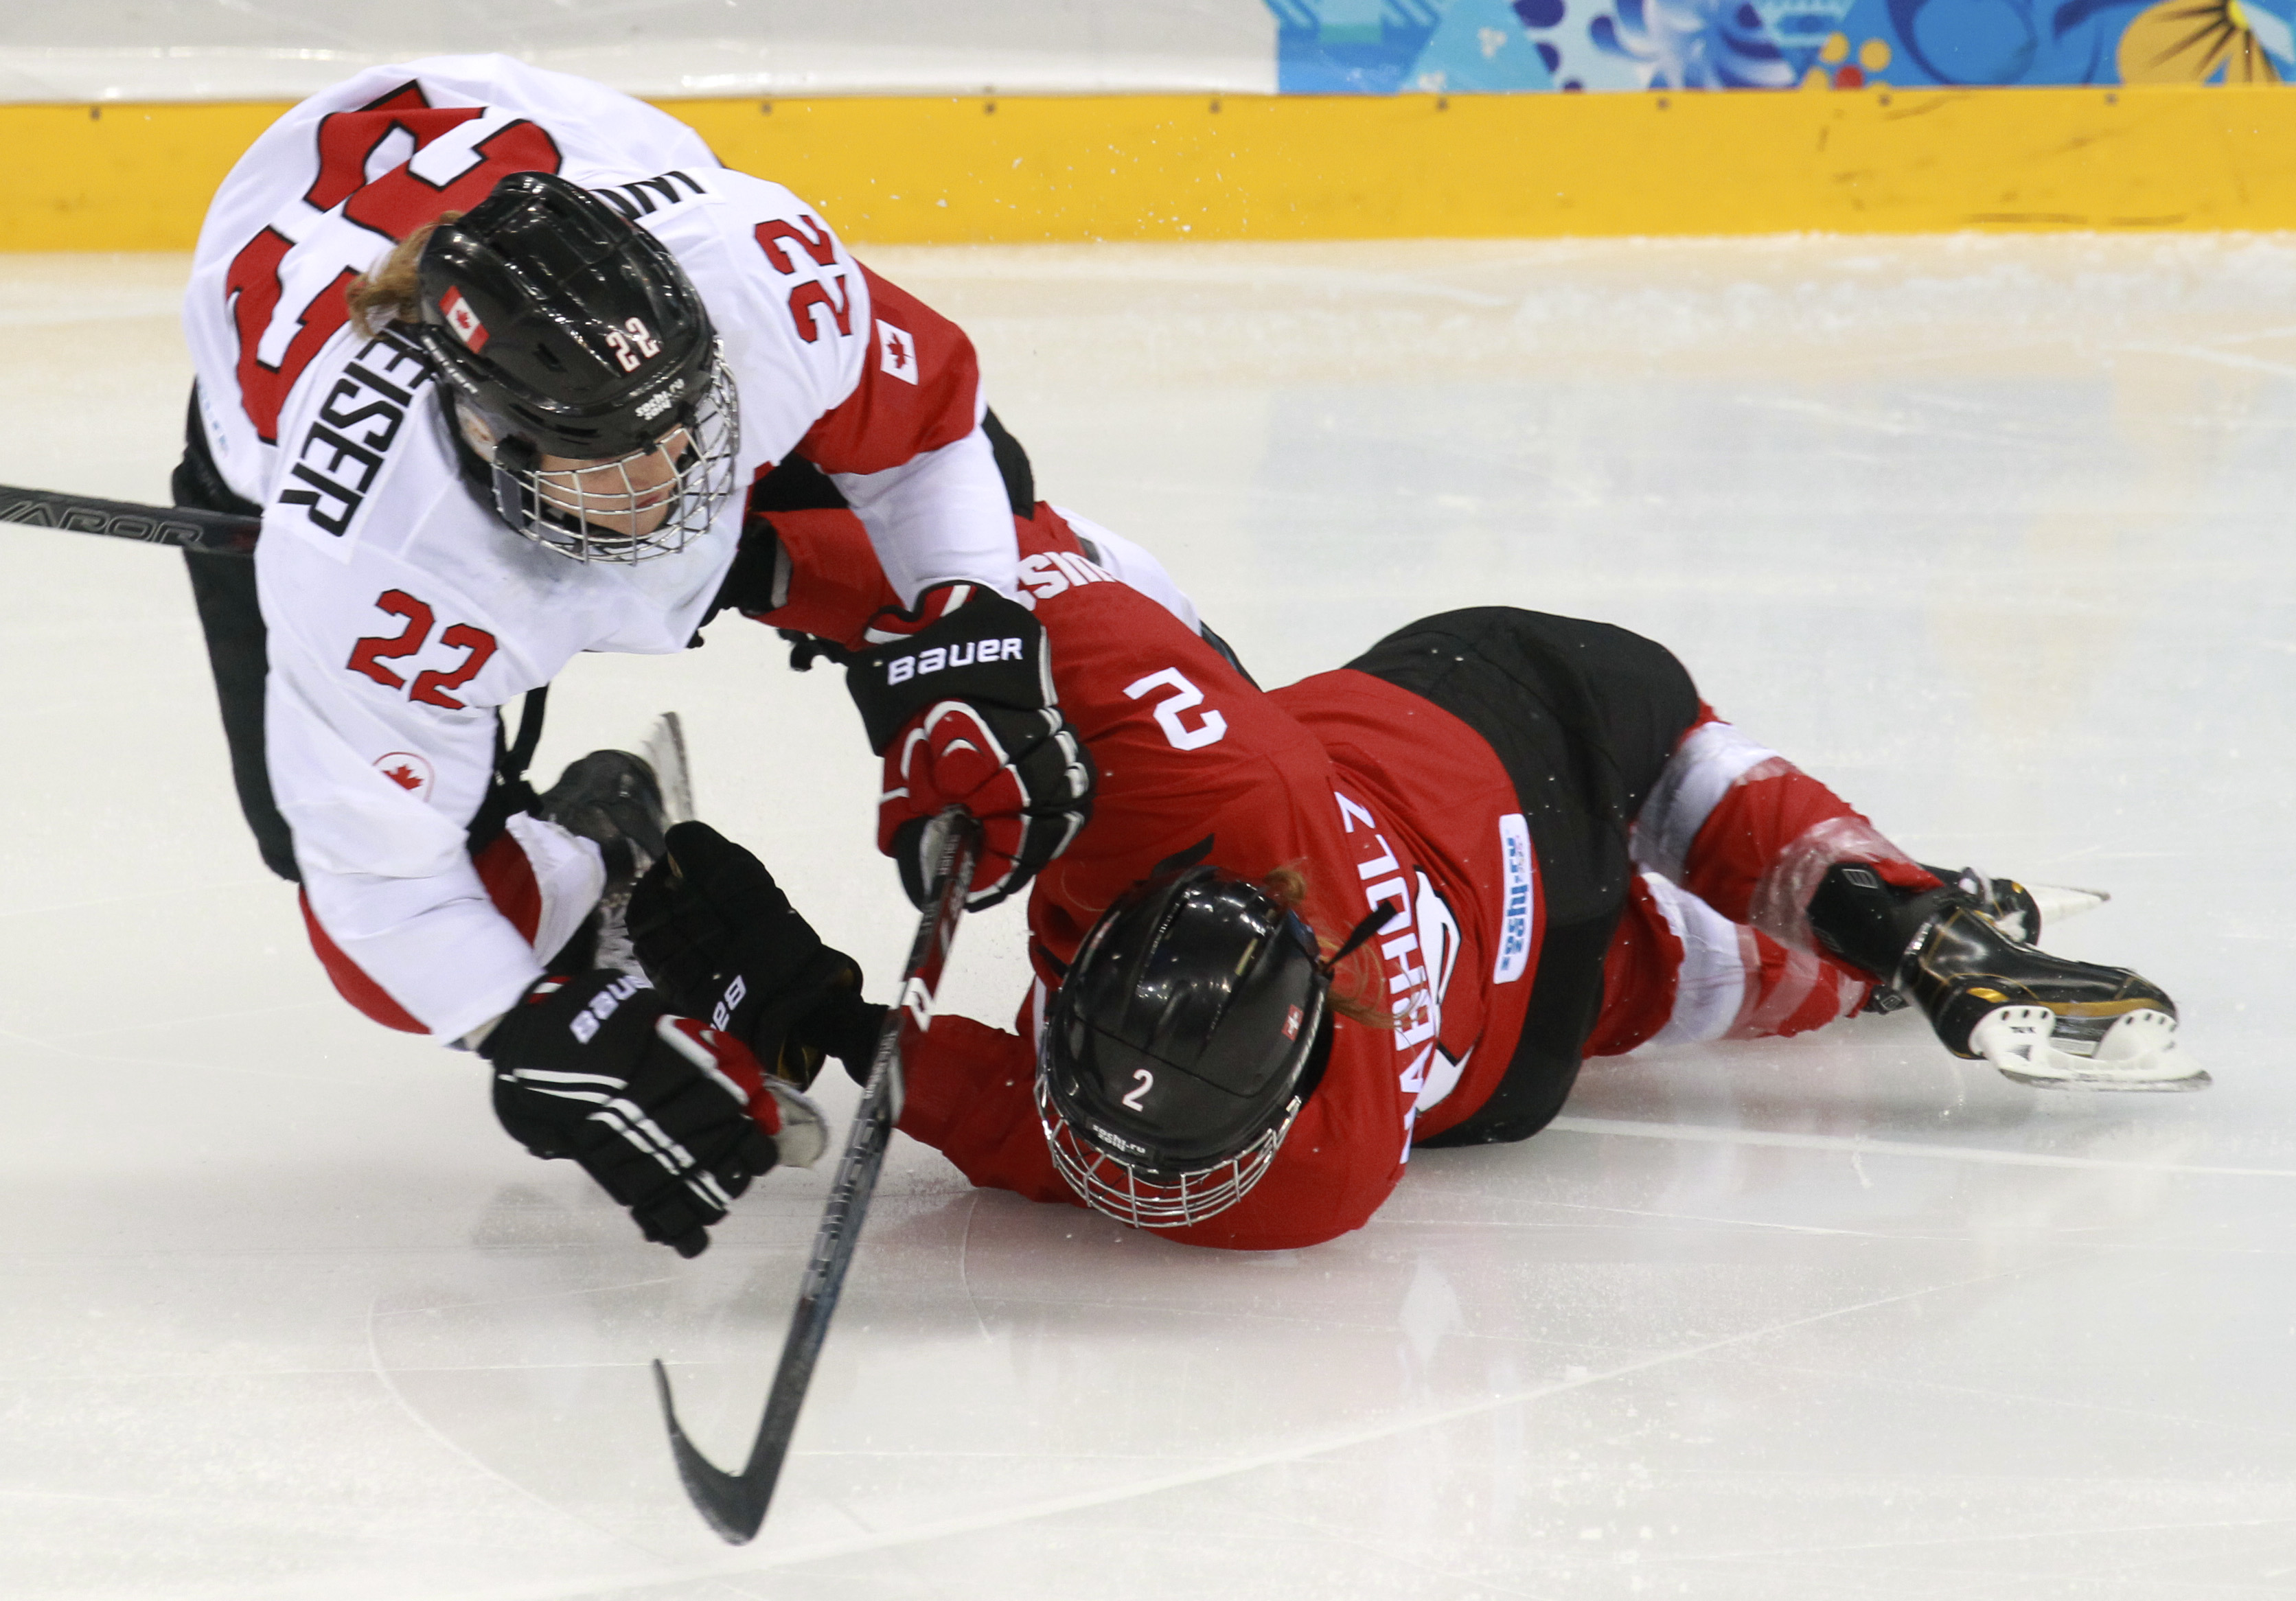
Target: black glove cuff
847 1028
749 582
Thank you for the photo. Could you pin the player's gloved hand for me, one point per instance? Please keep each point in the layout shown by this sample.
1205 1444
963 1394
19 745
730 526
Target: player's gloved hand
672 1117
716 932
958 700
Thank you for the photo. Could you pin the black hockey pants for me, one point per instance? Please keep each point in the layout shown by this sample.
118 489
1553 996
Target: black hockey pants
224 590
1583 716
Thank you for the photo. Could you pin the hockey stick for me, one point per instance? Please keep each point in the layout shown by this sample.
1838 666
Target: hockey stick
188 528
734 1504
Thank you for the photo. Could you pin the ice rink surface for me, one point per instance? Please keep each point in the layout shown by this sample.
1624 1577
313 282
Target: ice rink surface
1992 534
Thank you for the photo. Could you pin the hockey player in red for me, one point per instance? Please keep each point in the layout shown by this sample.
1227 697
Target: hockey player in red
1391 905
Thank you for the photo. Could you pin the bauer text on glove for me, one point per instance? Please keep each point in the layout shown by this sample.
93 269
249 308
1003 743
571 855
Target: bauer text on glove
958 700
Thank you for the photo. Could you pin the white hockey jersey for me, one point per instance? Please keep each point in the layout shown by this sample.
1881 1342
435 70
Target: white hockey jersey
401 613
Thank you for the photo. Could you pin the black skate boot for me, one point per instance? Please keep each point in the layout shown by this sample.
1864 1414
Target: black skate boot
2040 1019
2008 905
624 804
612 799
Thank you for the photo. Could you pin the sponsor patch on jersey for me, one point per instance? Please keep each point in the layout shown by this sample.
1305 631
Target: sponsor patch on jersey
407 769
897 352
462 320
1514 911
335 462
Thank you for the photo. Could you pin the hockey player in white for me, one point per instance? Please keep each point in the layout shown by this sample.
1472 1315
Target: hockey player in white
482 445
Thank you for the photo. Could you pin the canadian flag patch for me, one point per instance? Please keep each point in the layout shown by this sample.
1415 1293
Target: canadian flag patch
462 320
897 352
407 770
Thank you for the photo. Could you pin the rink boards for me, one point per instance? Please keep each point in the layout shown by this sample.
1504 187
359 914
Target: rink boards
956 169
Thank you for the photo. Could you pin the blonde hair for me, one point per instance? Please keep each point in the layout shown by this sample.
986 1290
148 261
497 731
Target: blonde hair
392 289
1358 977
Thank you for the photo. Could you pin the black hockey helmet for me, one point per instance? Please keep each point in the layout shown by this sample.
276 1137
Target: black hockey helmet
1175 1054
567 331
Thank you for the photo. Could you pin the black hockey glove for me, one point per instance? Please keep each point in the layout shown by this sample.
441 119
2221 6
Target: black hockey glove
717 935
673 1118
959 702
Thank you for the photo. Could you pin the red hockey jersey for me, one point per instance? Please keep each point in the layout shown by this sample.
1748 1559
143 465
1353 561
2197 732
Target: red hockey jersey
1378 796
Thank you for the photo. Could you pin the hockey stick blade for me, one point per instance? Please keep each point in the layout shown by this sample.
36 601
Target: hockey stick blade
187 528
663 748
734 1504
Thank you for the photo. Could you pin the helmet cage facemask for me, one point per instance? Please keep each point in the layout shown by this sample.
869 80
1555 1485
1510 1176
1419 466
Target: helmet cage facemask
564 510
556 321
1154 1173
1143 1197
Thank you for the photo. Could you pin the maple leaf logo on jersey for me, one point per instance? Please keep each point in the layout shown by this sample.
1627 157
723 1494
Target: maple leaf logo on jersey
462 320
897 352
408 771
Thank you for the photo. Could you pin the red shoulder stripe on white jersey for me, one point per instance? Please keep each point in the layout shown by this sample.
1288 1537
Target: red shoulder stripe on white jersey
920 390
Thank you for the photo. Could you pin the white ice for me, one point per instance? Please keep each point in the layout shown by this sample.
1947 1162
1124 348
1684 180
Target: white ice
1992 534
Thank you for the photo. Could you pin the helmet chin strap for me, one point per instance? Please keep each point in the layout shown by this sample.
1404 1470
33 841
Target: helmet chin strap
515 461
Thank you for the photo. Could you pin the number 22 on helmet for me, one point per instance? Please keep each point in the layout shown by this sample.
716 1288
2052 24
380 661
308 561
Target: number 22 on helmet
589 405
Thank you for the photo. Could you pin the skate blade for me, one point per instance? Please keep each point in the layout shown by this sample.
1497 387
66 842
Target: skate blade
2057 902
2139 1052
663 748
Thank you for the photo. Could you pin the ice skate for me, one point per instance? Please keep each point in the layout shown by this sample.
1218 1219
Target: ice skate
624 803
2042 1020
2018 910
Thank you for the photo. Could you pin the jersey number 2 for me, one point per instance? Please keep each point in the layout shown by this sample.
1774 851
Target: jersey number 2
1209 731
431 688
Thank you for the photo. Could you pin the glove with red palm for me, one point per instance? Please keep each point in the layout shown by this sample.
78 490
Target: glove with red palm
956 695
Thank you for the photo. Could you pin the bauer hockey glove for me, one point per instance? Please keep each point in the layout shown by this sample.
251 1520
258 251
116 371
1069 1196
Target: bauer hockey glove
958 700
671 1117
716 932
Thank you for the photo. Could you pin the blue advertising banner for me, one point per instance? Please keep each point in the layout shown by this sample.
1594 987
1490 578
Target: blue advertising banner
1483 46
